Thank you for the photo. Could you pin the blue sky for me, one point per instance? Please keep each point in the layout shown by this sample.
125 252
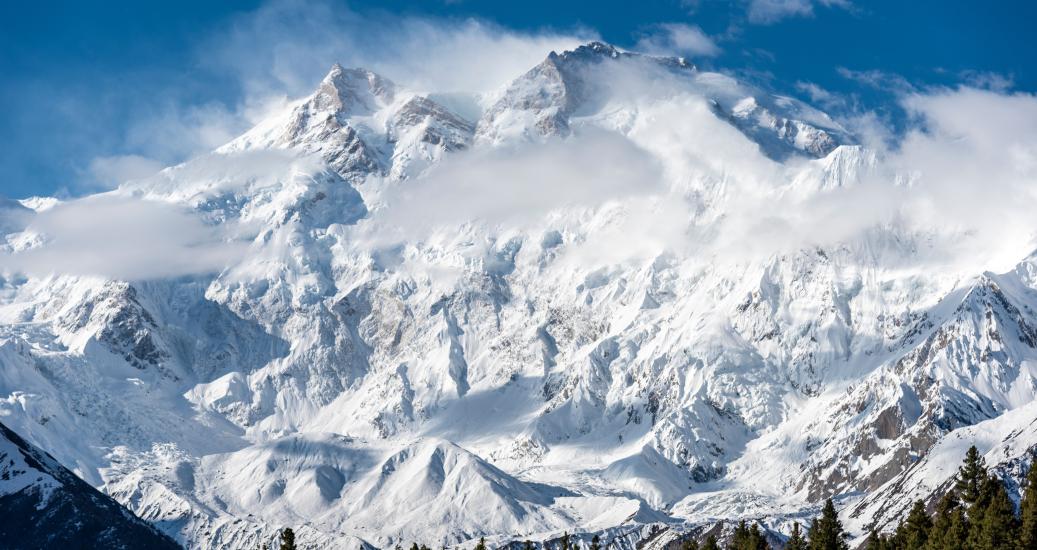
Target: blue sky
91 93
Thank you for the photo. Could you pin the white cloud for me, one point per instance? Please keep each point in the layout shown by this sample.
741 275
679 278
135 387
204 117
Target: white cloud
166 136
821 96
113 171
178 132
988 80
286 46
974 164
770 11
766 12
881 80
962 180
678 39
964 176
119 237
513 186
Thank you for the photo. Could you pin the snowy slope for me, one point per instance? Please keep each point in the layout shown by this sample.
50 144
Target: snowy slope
46 506
591 80
393 354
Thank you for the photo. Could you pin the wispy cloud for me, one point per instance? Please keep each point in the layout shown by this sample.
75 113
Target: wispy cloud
110 172
878 79
766 12
820 96
282 50
286 46
987 80
677 39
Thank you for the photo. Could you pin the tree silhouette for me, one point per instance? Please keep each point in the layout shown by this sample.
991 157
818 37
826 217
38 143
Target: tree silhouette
287 539
826 532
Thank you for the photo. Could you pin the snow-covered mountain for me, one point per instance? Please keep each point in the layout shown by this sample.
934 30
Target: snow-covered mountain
46 506
564 315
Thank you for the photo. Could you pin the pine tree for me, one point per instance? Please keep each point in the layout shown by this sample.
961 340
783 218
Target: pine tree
287 539
528 545
566 544
796 541
1028 510
756 539
595 543
970 478
740 537
999 528
985 521
711 543
877 541
414 546
976 514
747 538
950 529
826 532
957 536
812 532
915 530
482 544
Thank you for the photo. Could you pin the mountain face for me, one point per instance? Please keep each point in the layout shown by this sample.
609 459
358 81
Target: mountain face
46 506
398 356
554 95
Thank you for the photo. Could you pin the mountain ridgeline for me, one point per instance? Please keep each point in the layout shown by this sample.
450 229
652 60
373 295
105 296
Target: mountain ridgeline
44 505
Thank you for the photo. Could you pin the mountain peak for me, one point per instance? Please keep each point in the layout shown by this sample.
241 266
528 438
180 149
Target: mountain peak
335 73
345 89
596 51
589 51
600 48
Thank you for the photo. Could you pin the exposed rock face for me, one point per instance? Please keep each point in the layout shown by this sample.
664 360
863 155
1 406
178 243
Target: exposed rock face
361 124
124 326
543 101
322 124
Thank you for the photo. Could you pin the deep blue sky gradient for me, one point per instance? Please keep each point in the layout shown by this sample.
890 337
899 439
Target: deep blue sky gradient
73 75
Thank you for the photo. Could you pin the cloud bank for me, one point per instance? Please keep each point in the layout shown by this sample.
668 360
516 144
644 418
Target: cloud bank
515 186
120 237
962 177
